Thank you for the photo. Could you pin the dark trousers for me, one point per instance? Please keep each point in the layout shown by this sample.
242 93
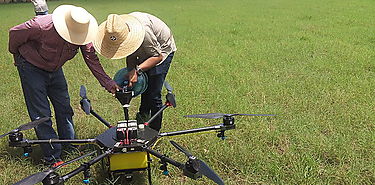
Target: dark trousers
39 89
151 100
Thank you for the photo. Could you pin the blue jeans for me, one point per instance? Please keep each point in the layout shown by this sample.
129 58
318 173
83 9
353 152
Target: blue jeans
39 89
151 100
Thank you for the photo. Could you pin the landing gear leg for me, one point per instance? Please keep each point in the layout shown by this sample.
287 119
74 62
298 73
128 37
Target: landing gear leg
149 168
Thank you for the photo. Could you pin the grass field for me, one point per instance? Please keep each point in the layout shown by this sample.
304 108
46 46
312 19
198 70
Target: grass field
311 62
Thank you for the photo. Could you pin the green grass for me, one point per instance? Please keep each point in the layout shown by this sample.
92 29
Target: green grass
309 62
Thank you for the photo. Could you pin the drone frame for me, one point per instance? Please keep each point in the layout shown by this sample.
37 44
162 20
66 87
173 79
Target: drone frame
191 168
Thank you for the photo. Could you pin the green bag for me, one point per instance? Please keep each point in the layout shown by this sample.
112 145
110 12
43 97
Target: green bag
121 78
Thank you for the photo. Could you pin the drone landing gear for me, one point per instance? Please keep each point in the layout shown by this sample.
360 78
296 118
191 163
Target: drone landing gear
221 135
149 168
117 178
164 167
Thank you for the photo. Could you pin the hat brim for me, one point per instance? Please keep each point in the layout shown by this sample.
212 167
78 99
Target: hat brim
132 42
71 36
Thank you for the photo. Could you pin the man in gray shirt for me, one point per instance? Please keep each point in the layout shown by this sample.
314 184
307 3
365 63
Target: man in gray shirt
149 46
40 7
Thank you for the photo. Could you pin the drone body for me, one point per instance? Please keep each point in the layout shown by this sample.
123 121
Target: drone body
126 147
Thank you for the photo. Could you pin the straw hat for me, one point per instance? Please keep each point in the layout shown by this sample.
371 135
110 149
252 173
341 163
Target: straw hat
74 24
119 36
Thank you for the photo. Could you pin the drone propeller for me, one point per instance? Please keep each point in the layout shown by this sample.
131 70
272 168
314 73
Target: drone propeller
39 177
85 103
35 178
220 115
167 86
27 126
170 96
199 165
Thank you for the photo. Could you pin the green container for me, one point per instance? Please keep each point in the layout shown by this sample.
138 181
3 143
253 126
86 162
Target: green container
121 78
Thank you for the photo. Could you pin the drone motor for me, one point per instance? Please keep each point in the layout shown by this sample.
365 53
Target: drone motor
190 171
52 179
228 120
16 137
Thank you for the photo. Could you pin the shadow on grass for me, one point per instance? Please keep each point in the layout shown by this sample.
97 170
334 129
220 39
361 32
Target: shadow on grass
106 178
17 154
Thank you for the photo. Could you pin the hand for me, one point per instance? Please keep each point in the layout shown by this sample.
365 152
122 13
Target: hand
15 57
133 77
114 89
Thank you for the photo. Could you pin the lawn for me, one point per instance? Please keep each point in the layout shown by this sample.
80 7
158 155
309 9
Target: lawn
311 62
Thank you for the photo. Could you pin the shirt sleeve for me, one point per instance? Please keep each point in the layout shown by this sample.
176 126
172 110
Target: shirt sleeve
23 33
150 45
132 60
150 48
92 61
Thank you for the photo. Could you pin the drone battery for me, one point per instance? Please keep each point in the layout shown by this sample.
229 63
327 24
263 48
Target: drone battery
132 133
126 124
120 133
132 124
128 161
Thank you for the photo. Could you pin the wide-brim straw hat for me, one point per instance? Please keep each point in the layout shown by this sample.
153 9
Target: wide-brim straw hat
119 36
74 24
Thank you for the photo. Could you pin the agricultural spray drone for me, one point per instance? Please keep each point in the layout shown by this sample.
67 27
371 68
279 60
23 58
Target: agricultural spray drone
126 147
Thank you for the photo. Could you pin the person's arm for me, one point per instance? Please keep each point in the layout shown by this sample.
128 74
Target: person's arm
144 66
150 47
92 61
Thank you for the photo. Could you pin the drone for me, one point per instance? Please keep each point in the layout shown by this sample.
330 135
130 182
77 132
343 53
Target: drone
126 147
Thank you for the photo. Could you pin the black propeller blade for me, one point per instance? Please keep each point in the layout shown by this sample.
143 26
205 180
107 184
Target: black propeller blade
27 126
199 165
209 173
35 178
170 96
220 115
82 92
33 124
85 103
168 87
39 177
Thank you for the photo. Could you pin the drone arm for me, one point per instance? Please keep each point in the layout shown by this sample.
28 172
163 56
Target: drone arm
105 122
26 142
86 165
203 129
157 113
77 141
170 102
165 158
